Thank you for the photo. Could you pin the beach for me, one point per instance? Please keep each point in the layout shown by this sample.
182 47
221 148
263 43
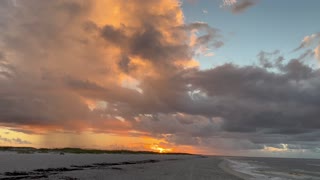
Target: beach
111 166
53 165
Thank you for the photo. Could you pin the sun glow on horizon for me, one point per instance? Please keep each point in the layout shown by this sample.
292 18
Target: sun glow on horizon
159 149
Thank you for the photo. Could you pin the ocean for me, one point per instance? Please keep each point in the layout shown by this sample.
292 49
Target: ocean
276 168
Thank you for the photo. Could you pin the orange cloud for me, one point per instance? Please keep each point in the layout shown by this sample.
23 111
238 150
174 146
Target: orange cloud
86 67
317 52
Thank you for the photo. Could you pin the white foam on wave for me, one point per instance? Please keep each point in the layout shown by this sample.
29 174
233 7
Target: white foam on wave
314 164
251 169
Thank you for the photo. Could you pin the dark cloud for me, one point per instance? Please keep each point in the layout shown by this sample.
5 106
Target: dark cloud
264 106
41 108
259 98
242 6
210 36
114 35
150 44
270 59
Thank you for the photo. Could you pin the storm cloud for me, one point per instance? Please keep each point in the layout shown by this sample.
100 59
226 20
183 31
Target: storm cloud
65 66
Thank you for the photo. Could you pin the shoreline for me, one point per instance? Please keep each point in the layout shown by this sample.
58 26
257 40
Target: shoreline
225 166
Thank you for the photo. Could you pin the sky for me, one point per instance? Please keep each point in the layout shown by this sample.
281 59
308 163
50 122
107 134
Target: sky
219 77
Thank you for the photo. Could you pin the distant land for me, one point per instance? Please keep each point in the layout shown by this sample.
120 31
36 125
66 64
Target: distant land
81 151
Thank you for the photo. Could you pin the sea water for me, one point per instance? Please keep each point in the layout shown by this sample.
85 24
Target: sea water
277 168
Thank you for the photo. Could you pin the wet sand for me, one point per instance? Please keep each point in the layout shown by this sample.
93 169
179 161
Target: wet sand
225 165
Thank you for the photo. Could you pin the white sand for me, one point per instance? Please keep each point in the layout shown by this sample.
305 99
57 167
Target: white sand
165 167
11 161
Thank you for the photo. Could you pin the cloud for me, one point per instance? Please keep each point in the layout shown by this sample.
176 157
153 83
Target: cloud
204 11
209 54
20 141
53 82
308 41
242 6
179 123
14 141
229 2
311 41
238 6
250 102
317 52
269 60
72 66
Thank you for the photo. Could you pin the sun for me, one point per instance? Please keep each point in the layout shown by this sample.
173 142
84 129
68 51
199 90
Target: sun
159 149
